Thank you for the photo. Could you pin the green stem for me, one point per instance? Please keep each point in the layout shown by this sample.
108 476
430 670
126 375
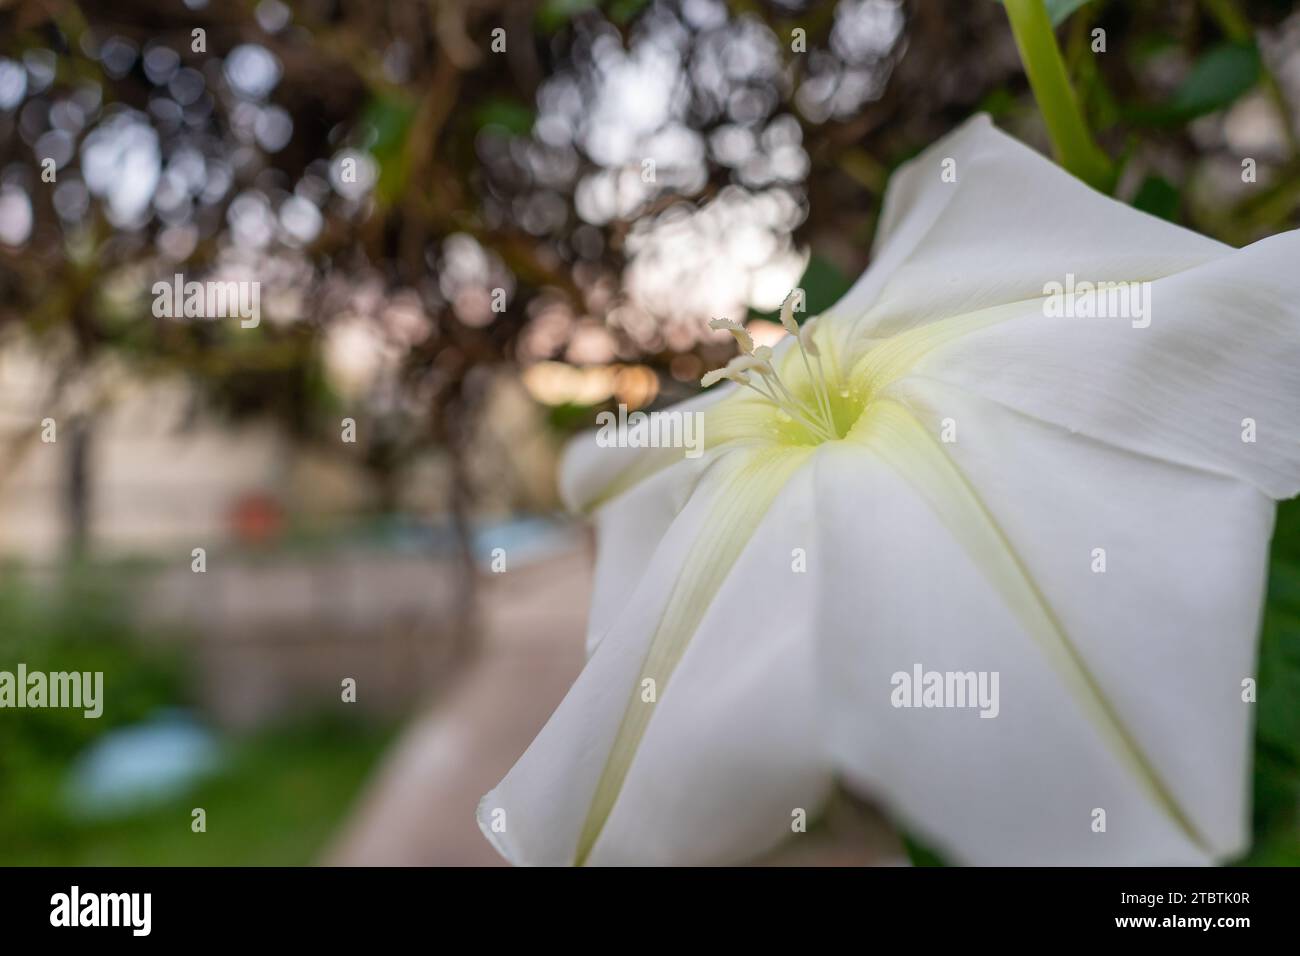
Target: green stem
1071 142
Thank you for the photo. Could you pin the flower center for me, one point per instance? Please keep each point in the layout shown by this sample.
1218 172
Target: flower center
812 406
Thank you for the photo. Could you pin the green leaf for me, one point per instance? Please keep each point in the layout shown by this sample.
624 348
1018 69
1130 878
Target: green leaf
1284 584
1218 78
554 14
390 118
919 853
621 11
1060 10
1277 718
1286 533
997 103
569 417
510 115
1159 197
1276 813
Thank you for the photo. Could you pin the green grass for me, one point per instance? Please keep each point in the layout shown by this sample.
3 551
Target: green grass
278 800
278 797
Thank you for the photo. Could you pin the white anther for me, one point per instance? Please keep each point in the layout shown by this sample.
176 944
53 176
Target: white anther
737 331
745 363
787 315
815 414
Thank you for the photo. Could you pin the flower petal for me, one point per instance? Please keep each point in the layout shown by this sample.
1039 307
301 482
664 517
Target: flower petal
605 749
1168 629
635 494
1223 346
592 473
629 529
941 589
1011 222
735 746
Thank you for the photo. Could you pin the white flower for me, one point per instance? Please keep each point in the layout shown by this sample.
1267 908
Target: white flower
982 453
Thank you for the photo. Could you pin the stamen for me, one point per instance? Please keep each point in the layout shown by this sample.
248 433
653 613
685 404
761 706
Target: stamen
817 416
809 347
787 315
737 331
738 369
803 337
806 339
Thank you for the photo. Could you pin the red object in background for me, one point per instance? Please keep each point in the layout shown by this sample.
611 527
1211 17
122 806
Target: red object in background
256 518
